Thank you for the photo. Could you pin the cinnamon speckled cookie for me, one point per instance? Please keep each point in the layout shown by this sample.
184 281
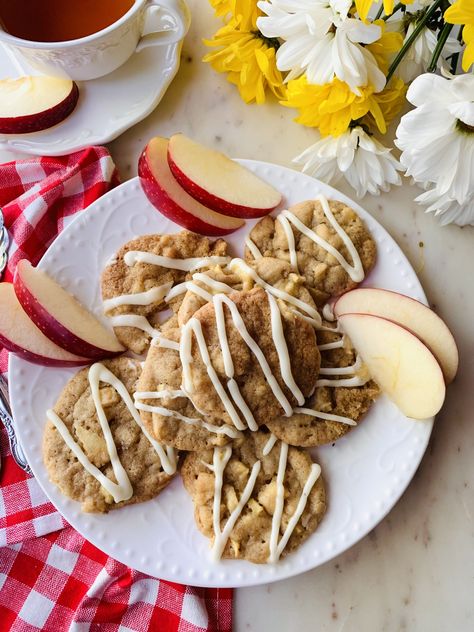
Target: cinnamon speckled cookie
118 279
76 409
351 403
182 427
249 378
250 538
324 275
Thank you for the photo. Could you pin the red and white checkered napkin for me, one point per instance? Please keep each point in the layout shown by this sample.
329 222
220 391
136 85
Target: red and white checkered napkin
51 578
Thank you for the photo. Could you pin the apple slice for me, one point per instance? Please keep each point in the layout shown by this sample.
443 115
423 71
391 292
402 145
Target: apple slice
30 104
219 182
403 367
412 314
60 316
169 198
21 336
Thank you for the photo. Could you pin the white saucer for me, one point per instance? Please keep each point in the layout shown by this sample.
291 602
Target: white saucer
107 106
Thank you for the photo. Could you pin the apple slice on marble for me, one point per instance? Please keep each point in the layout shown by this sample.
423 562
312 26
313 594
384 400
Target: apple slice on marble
171 199
30 104
403 367
21 336
219 182
61 317
412 314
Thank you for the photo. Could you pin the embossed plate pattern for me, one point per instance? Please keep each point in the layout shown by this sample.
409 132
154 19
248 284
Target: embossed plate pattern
366 471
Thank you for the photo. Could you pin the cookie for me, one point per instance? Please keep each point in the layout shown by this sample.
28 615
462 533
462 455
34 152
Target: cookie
138 457
348 403
249 474
325 274
259 363
169 415
120 279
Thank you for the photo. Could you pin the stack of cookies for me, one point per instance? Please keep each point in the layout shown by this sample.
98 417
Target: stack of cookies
244 369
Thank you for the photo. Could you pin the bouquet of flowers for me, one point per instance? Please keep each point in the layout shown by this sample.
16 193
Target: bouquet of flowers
349 67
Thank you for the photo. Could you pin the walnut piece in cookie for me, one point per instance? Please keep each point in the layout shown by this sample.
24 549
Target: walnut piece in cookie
250 537
120 279
323 273
268 362
76 408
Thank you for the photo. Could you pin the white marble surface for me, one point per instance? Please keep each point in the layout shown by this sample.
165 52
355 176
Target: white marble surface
415 571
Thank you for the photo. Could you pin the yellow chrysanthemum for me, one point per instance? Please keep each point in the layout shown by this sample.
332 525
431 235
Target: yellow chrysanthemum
462 12
245 11
332 107
363 6
248 60
383 49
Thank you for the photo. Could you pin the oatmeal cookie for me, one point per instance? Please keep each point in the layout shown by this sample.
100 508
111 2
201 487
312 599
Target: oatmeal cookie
324 274
259 396
250 537
76 409
350 402
118 279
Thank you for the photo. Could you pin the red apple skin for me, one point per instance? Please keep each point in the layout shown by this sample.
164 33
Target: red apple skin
41 120
53 329
34 358
161 200
212 201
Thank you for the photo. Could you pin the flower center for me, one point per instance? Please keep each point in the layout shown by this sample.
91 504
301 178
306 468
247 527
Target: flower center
271 42
464 128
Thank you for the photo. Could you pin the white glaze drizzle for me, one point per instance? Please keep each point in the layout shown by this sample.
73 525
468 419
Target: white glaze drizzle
282 350
281 294
123 489
356 270
216 286
326 416
252 246
268 447
161 341
277 548
152 295
135 320
221 457
337 344
186 265
290 238
328 313
346 383
343 370
194 326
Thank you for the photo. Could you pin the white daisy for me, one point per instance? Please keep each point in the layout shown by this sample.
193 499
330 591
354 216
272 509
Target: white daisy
320 39
448 210
418 56
437 138
362 160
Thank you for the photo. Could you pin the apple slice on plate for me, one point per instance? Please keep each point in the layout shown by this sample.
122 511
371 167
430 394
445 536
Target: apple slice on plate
219 182
61 317
31 104
171 199
403 367
412 314
21 336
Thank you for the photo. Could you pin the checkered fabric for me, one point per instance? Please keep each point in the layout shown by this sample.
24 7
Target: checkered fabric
51 578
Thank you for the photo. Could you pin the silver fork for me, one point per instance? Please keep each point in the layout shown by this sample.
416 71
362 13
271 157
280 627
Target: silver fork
4 243
6 418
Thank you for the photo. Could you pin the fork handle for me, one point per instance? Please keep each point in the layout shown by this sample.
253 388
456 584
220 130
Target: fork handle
15 447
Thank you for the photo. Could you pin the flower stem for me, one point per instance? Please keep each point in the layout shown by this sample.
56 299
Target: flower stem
443 36
416 32
396 8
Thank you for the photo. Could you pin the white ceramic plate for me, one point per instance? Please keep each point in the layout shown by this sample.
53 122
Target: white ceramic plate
365 472
107 106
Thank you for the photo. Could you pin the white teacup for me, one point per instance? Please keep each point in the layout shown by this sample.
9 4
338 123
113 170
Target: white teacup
147 23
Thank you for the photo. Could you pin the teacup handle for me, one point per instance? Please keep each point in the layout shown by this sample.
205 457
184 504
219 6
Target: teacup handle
166 22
